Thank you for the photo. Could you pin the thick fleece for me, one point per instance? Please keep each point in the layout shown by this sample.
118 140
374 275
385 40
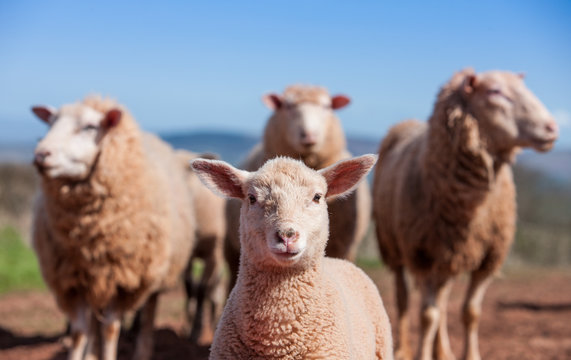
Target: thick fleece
444 197
112 239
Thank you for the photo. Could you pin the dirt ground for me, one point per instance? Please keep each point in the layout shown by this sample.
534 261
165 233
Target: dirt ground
527 315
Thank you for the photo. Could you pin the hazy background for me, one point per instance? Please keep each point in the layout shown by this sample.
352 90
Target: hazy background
183 66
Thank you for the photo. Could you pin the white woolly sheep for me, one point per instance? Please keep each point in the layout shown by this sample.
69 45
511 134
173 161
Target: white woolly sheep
291 302
444 197
113 221
304 126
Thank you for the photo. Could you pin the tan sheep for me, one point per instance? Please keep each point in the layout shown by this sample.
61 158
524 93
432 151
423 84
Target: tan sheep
113 222
205 300
444 199
291 302
305 127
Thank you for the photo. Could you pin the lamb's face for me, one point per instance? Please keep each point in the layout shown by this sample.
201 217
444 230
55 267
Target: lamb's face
284 214
510 114
283 220
70 148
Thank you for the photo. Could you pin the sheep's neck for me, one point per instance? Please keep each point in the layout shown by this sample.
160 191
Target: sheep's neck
458 169
281 307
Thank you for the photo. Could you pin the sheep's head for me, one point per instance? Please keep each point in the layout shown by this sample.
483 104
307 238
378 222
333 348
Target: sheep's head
72 144
508 113
304 114
283 219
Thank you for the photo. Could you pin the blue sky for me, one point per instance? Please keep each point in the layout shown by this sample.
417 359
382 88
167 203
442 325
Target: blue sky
182 65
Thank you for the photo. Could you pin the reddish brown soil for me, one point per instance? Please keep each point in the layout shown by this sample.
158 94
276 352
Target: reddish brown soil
527 315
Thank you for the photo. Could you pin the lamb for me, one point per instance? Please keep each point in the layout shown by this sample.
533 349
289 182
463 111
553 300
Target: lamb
205 300
113 221
291 302
304 126
444 197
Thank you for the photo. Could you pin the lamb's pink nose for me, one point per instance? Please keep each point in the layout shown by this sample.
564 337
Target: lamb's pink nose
287 236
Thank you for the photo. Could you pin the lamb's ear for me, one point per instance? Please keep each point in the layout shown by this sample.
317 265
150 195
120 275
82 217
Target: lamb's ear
343 176
112 118
220 177
339 101
43 112
273 101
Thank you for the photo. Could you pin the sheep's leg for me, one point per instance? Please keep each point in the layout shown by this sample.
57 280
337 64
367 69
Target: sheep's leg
190 290
442 349
403 351
432 294
472 310
144 345
202 331
79 333
217 292
93 350
111 327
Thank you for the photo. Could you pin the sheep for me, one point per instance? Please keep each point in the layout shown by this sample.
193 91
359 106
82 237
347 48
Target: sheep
210 232
304 126
444 198
113 221
291 302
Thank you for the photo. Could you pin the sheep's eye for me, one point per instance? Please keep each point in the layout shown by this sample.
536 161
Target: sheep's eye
89 127
494 92
316 198
252 199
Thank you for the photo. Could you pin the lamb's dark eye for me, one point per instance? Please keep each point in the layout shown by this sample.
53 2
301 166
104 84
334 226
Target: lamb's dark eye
494 92
252 199
316 198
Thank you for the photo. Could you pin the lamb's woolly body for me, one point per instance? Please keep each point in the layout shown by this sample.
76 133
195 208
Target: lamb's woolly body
317 308
350 215
296 315
123 233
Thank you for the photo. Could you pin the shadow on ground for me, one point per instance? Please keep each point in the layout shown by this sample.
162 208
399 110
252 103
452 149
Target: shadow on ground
168 345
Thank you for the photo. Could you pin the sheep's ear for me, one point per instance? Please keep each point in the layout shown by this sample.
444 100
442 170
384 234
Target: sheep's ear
273 101
470 83
343 176
521 75
339 101
112 118
220 177
43 112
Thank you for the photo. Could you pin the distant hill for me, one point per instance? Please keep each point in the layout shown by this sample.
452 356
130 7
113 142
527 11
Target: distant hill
233 147
556 164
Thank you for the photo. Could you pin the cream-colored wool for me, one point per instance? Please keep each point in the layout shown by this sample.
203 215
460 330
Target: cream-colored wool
110 240
206 298
290 302
444 198
307 110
